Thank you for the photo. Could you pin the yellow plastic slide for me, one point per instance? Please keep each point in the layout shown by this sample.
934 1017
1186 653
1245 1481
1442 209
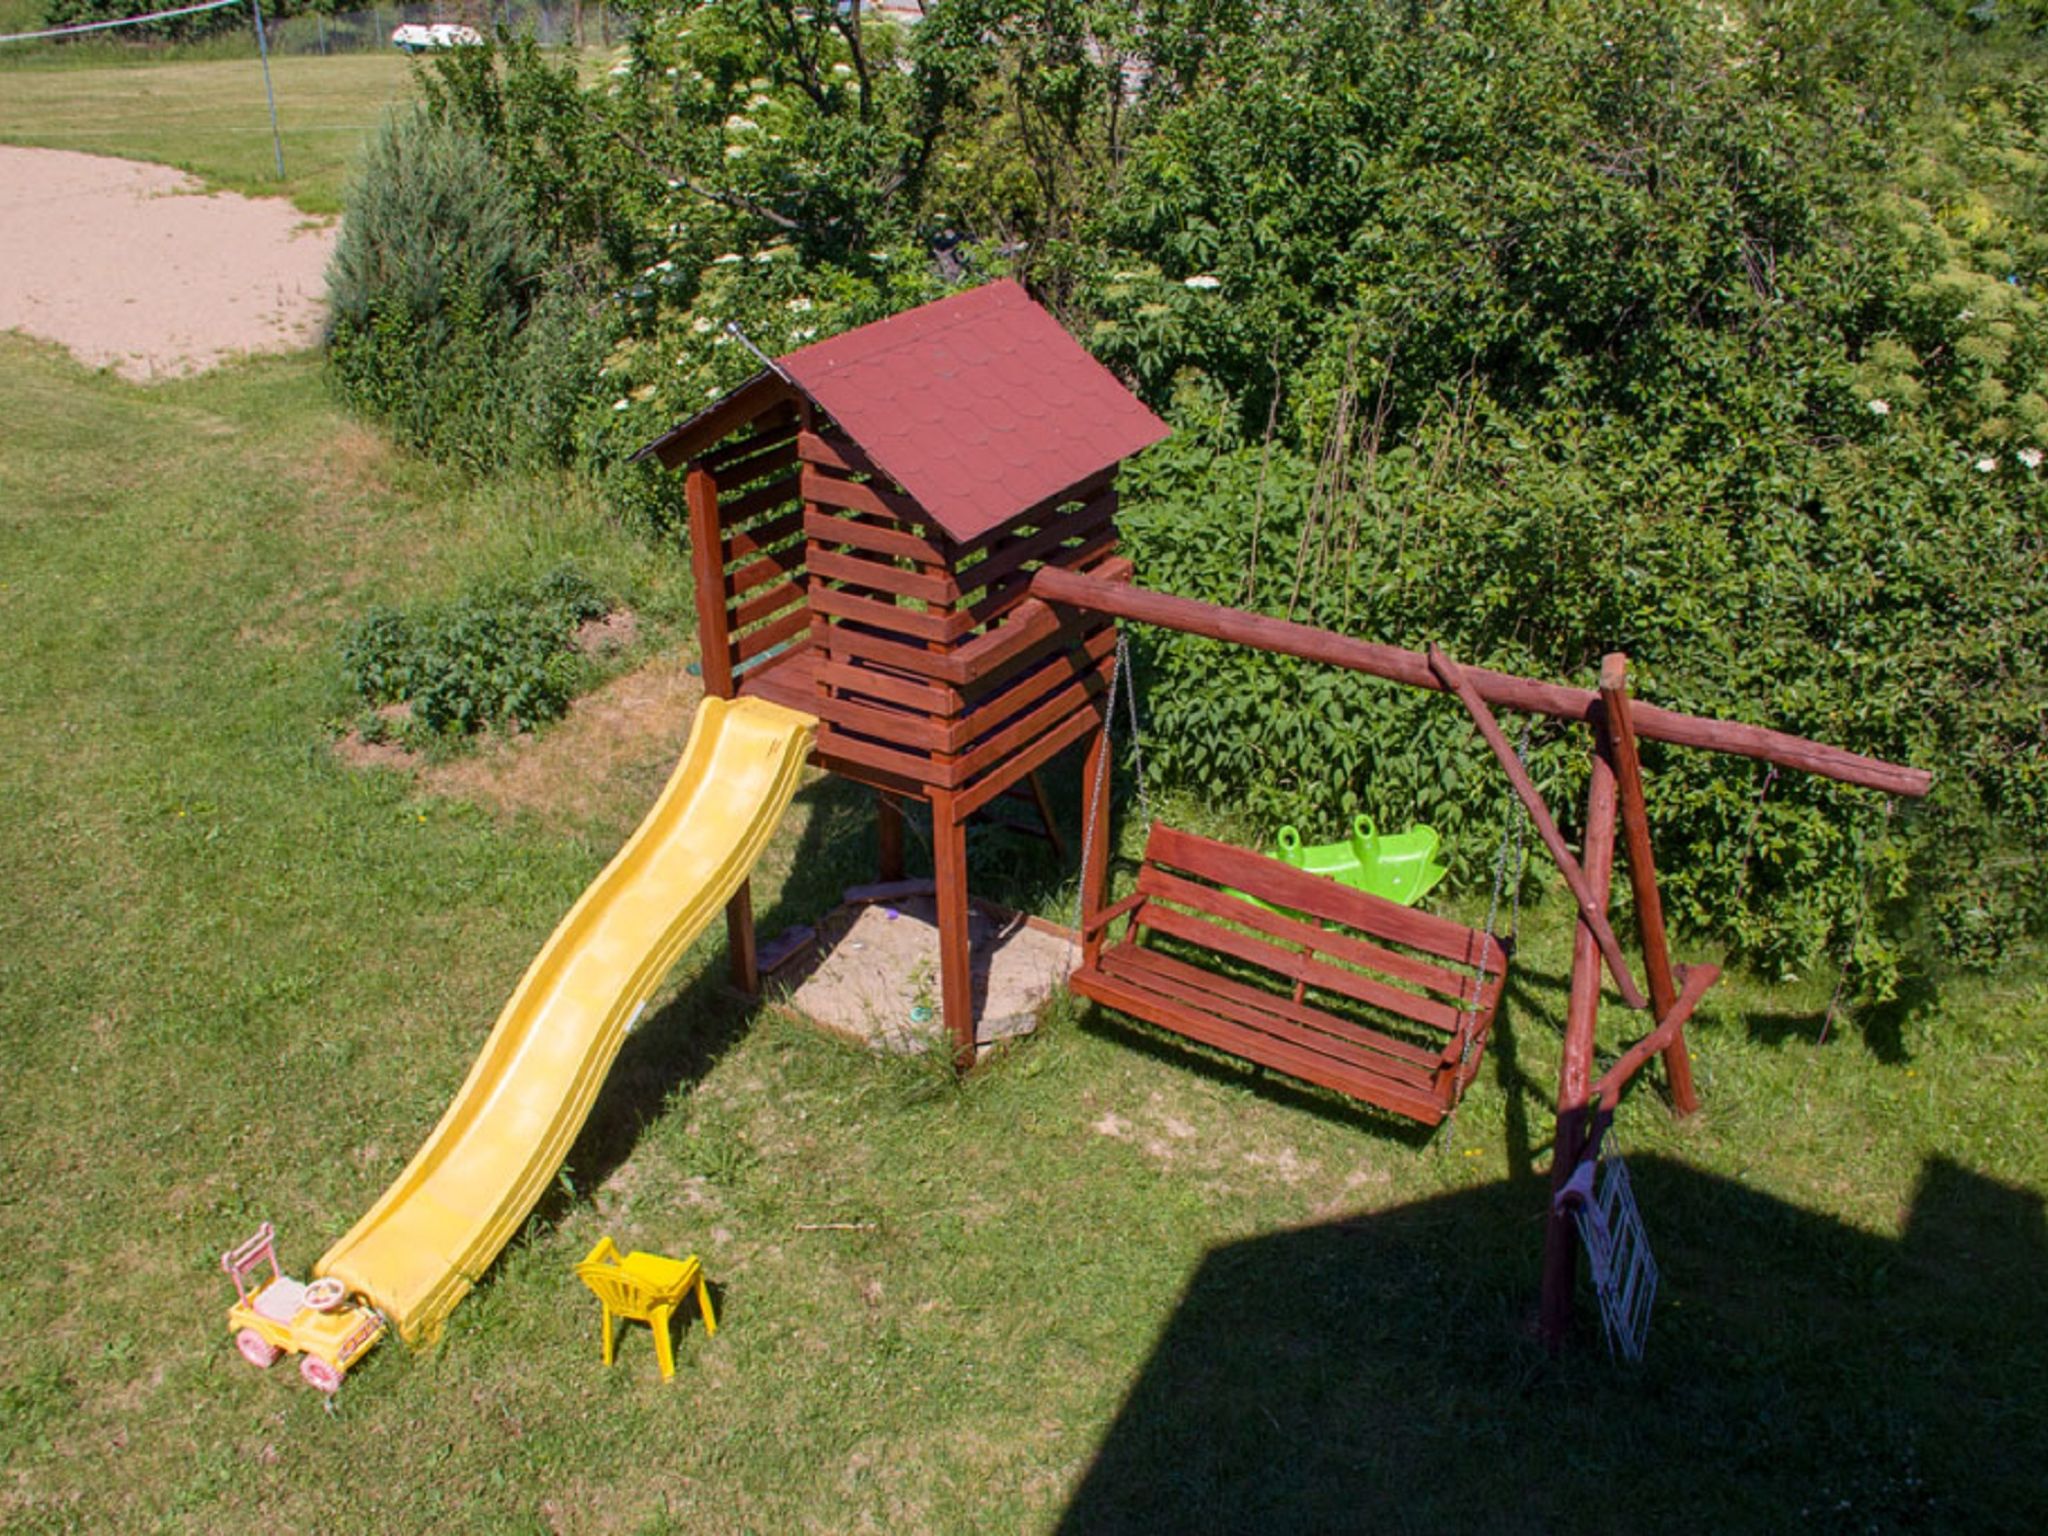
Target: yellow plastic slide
423 1245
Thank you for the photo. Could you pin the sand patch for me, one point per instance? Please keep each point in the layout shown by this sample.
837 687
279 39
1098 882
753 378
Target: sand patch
136 268
873 975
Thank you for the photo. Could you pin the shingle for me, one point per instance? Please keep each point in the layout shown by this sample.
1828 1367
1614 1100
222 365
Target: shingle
979 405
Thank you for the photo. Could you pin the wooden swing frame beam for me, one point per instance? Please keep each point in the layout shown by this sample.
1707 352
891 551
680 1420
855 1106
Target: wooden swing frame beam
1615 794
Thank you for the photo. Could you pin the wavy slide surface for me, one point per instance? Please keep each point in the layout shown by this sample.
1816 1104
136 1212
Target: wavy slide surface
420 1248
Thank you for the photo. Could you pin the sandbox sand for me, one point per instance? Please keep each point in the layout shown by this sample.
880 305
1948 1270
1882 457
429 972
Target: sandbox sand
136 268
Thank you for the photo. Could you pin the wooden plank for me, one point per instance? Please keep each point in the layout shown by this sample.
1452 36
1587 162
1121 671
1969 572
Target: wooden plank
767 453
760 641
828 528
1594 916
852 641
858 571
760 398
1034 722
774 600
1100 592
891 726
1058 669
914 768
876 682
714 640
889 837
1642 872
1006 560
790 678
1336 942
1358 1043
1028 760
1015 590
828 490
1304 969
765 498
762 539
739 938
777 426
769 567
834 450
1038 512
1285 886
940 626
1253 1045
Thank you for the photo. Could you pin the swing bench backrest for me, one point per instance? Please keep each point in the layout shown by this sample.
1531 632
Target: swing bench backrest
1339 988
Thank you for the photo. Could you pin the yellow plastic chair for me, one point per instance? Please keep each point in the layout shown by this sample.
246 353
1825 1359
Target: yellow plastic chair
646 1287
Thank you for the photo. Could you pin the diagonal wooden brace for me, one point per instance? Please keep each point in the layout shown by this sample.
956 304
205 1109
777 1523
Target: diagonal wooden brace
1590 911
1670 1031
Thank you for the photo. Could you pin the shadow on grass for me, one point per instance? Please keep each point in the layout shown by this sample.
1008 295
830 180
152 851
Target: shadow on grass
1883 1026
679 1044
1379 1374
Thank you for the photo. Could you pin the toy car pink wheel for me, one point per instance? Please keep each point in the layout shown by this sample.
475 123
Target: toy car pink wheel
256 1349
319 1375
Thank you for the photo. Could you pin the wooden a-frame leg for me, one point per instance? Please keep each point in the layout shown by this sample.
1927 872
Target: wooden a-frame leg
1575 1075
956 955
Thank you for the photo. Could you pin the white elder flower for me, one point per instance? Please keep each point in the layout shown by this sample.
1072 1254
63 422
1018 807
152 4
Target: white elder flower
842 70
1985 465
798 306
805 334
759 99
621 403
734 151
701 325
1203 282
1880 407
727 259
740 124
2031 457
712 392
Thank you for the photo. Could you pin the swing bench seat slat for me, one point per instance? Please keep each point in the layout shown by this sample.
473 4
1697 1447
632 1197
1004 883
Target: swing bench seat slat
1334 1005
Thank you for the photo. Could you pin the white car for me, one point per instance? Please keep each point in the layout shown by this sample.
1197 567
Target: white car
417 37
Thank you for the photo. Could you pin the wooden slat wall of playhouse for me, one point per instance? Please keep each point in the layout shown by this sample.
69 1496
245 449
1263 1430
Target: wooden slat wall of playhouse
760 596
920 680
1341 988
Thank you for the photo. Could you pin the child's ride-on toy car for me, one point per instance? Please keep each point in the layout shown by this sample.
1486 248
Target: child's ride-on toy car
280 1316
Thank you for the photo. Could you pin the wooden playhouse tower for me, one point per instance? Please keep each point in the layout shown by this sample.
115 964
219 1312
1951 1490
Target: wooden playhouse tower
865 518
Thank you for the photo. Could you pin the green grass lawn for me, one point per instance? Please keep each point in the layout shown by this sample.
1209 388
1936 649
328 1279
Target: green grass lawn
209 116
1105 1284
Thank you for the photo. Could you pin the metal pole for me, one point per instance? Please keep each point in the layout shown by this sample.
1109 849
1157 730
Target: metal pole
263 51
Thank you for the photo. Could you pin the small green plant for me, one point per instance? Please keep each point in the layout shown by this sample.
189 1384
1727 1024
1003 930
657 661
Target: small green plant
500 655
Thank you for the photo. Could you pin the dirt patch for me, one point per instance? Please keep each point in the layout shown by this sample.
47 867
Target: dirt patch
615 632
136 268
574 768
874 974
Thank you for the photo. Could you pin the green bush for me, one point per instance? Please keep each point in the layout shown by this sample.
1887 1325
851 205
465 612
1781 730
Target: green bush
443 320
501 655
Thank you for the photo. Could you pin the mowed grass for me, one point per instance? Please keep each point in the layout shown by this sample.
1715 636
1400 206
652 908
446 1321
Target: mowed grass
209 117
1104 1284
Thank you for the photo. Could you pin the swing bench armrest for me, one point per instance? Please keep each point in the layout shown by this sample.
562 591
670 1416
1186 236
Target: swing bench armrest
1111 913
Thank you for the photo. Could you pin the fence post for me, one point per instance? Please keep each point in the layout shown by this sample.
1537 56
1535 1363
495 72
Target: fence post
263 51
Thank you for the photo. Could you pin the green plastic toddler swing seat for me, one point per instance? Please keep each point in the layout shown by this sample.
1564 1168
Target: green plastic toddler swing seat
1400 867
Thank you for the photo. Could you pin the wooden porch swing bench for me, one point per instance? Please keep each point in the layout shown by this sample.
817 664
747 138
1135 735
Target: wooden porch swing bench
1340 988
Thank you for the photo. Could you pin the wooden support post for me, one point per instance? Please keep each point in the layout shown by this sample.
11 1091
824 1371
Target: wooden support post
1592 903
739 939
956 953
1642 874
889 833
1575 1075
1039 797
1095 776
707 571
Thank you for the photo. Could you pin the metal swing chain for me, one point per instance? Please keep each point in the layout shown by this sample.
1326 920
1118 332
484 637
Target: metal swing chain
1515 833
1119 672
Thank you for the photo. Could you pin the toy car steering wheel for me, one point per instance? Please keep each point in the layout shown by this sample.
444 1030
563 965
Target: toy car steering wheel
325 1295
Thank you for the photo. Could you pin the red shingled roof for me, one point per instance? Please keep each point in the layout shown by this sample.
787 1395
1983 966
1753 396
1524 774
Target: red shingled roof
978 405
